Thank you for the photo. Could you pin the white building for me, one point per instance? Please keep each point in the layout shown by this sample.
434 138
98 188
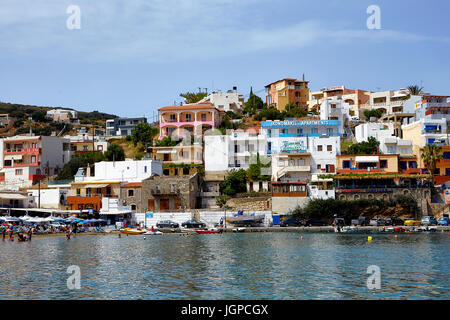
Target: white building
378 130
389 102
235 150
27 159
336 109
62 114
395 145
124 171
228 101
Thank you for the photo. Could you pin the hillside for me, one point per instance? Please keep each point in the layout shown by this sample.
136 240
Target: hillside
20 115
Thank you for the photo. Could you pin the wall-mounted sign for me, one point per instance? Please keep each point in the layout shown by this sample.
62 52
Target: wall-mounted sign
293 146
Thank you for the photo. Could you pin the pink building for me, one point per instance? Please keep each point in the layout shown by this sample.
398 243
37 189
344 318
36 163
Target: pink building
193 118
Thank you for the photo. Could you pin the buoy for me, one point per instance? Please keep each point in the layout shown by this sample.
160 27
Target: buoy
301 238
395 236
145 238
369 239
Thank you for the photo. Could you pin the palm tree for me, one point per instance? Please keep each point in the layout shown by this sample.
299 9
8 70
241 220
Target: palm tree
415 90
431 154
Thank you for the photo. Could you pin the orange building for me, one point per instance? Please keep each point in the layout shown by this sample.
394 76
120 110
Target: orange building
286 91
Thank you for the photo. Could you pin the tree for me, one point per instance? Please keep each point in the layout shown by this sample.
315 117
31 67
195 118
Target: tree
115 153
415 90
221 201
79 161
40 116
365 147
143 133
235 182
254 170
253 103
377 113
431 154
191 97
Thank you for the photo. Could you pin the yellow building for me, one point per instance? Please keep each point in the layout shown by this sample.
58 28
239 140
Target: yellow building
286 91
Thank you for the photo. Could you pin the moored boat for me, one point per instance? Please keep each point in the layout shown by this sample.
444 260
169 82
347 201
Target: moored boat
208 231
241 219
132 231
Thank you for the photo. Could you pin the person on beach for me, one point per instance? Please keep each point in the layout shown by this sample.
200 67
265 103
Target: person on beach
11 237
3 233
21 237
68 234
30 233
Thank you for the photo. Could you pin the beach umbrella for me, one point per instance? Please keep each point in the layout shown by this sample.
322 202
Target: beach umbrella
35 220
48 219
25 217
11 219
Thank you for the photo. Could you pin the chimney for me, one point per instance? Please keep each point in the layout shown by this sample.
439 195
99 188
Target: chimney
303 77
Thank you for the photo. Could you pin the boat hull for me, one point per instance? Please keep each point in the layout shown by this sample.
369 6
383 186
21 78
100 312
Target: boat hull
132 231
208 231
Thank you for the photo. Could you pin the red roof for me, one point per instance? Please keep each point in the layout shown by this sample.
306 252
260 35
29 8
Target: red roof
133 185
195 106
287 79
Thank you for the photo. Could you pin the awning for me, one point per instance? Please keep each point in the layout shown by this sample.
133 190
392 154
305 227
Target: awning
13 196
13 157
98 185
166 151
367 159
110 213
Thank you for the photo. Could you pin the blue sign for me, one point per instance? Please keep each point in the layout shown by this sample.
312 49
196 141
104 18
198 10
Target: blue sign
149 214
290 123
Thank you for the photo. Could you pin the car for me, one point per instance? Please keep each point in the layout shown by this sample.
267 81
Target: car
428 221
167 224
394 222
444 221
315 222
412 222
192 224
291 223
361 221
376 222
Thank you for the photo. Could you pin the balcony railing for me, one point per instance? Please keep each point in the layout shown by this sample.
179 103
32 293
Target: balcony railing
23 151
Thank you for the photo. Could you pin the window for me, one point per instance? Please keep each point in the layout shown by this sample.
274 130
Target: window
78 192
281 163
172 117
131 193
346 164
145 169
19 172
166 172
269 146
185 171
402 165
319 148
412 164
329 148
133 207
383 163
203 116
188 117
318 167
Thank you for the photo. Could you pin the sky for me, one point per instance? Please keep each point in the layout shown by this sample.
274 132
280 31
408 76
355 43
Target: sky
130 58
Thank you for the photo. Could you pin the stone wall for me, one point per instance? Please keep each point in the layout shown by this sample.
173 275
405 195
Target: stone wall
251 203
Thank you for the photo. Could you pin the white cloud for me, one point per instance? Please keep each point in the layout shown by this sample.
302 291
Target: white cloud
164 30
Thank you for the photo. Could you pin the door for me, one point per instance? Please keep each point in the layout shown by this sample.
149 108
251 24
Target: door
164 205
151 205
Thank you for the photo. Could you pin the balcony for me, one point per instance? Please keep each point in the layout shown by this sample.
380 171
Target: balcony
23 151
20 164
355 170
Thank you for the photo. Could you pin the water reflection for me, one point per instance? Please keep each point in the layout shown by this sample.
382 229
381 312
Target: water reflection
228 266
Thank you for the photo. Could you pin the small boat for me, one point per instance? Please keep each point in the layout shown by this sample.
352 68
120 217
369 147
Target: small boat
346 229
153 233
238 230
208 231
241 219
132 231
